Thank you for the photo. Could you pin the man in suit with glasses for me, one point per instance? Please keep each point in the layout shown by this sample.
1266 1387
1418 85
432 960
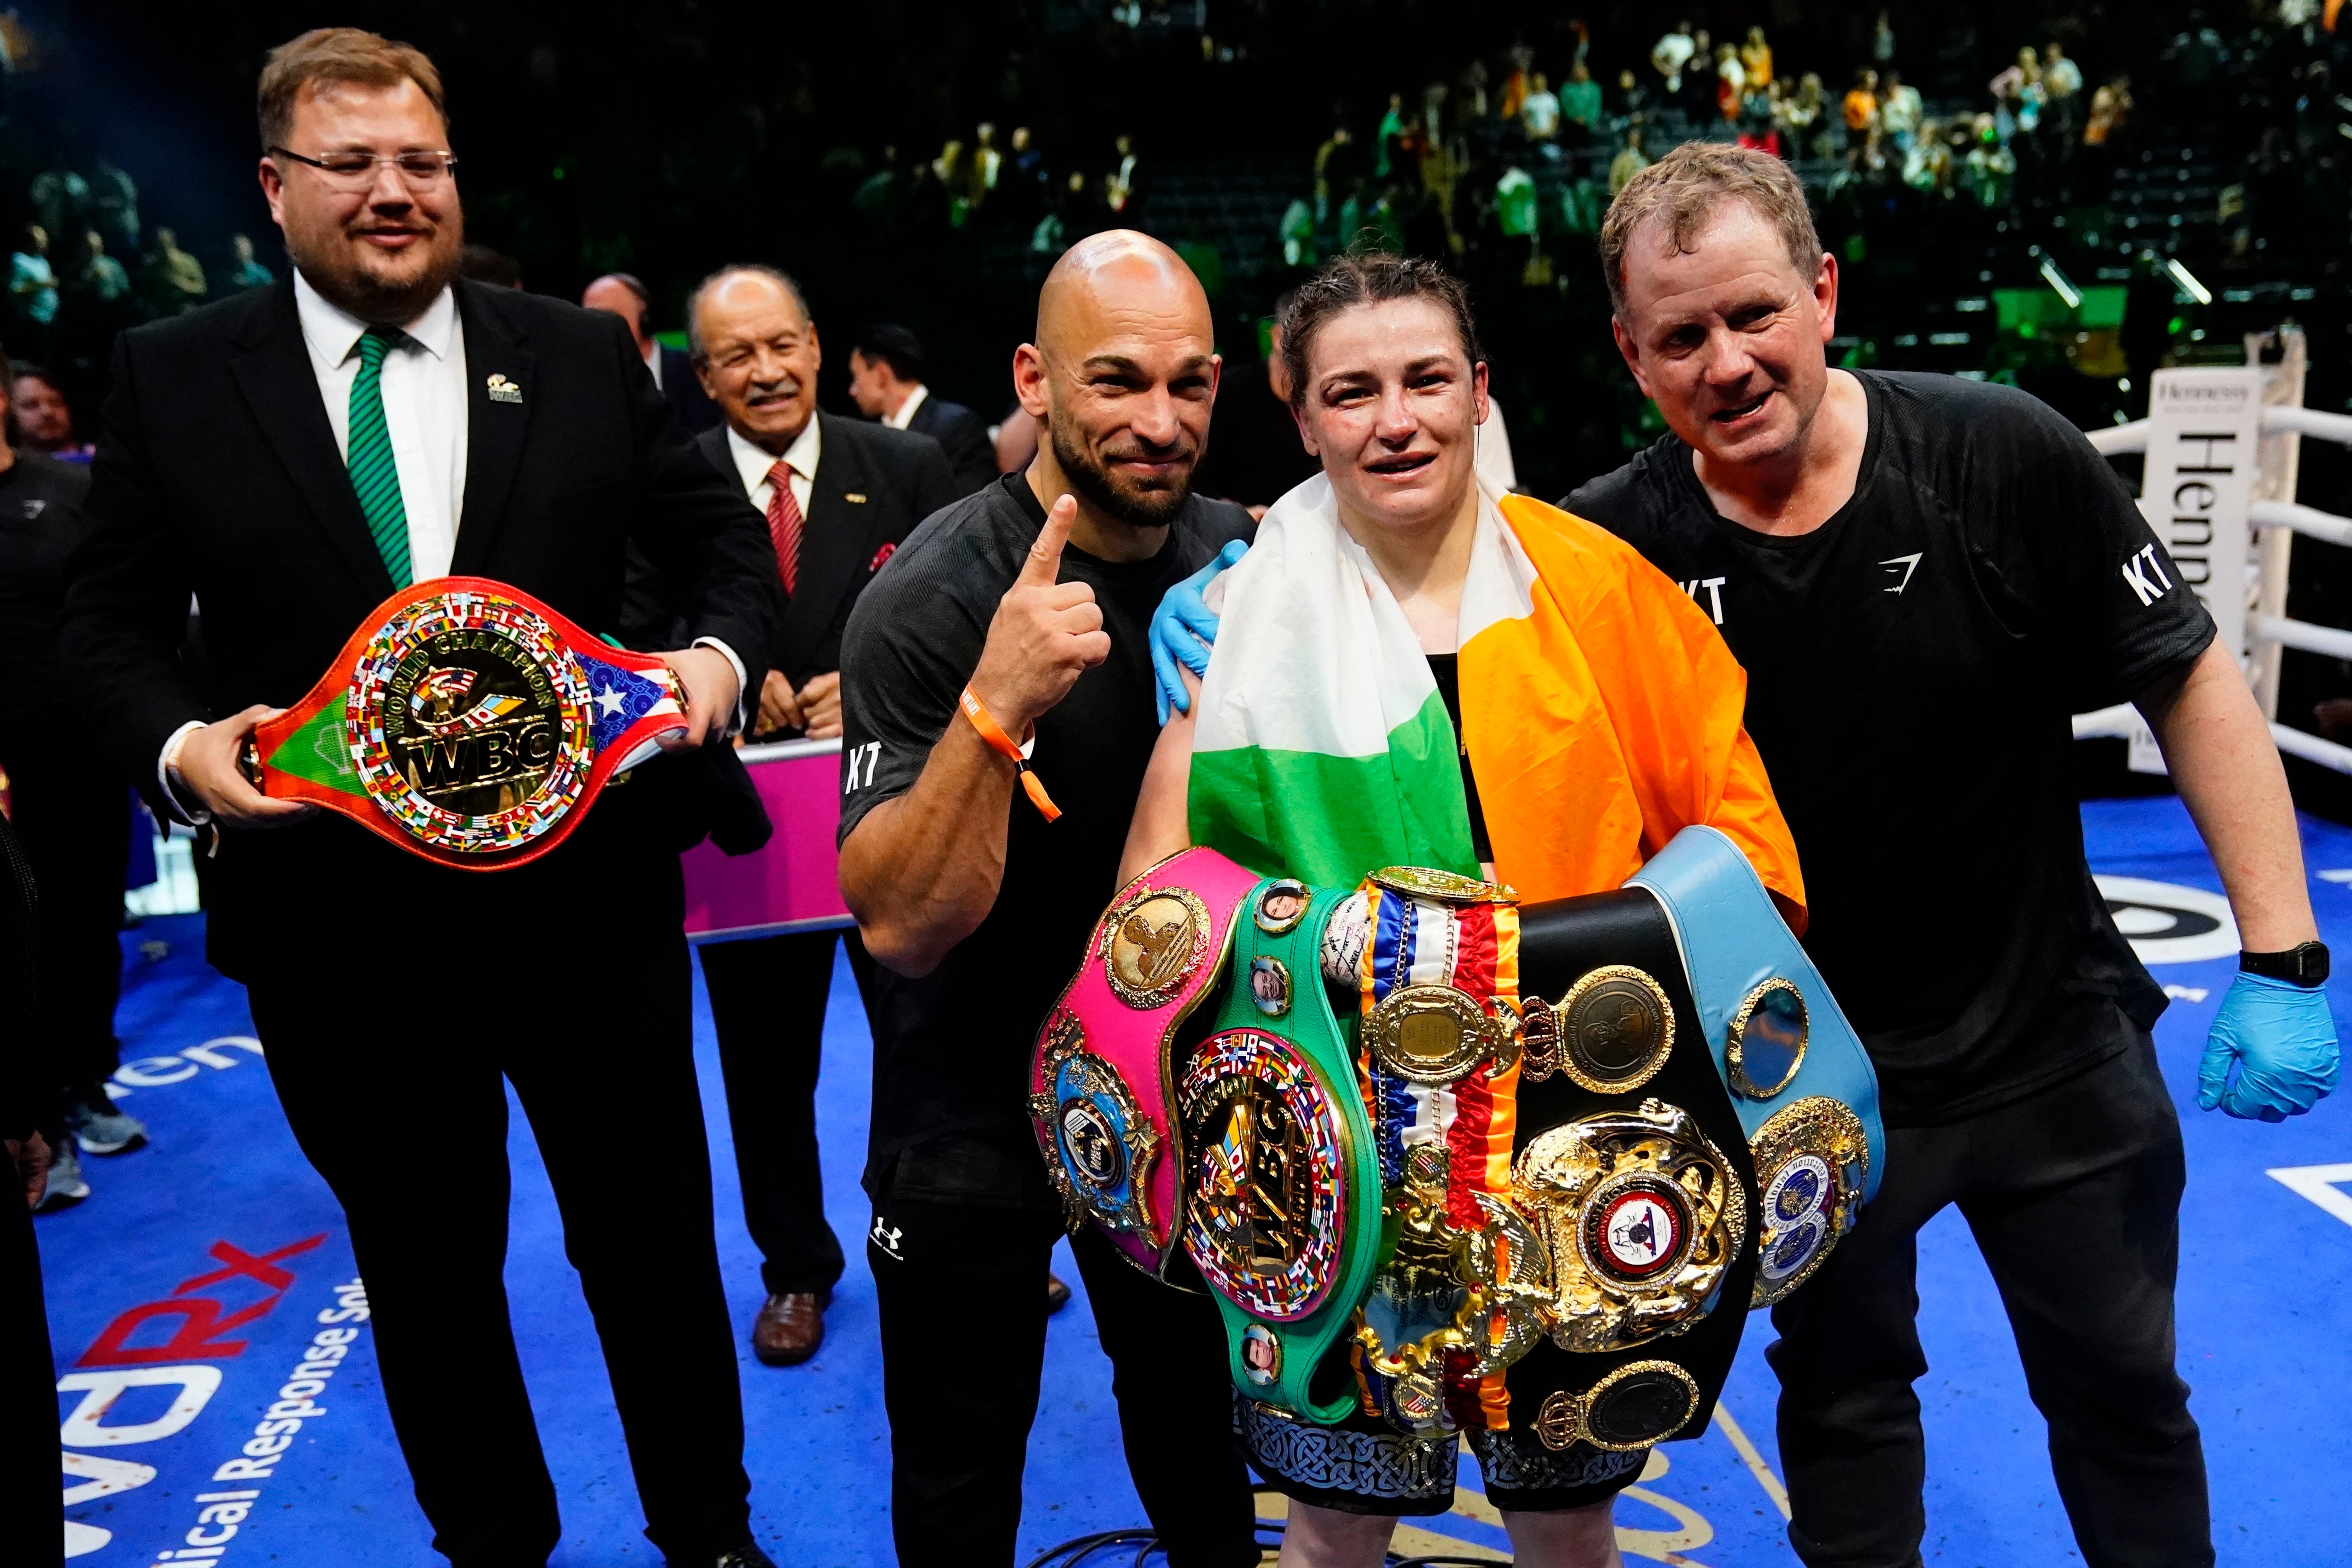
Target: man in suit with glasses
291 456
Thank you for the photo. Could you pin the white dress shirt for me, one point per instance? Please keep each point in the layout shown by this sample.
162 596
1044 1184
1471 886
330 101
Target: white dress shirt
753 462
425 407
906 414
653 364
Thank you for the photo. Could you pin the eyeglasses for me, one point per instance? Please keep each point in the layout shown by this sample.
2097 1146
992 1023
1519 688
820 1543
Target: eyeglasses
356 171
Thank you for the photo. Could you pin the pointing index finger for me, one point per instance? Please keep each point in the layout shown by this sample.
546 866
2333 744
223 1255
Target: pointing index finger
1045 562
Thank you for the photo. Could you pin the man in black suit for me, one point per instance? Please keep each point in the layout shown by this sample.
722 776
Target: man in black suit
886 381
28 1499
672 371
839 495
395 993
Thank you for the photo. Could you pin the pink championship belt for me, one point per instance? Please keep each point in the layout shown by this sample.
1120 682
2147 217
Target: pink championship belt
793 882
467 723
1099 1082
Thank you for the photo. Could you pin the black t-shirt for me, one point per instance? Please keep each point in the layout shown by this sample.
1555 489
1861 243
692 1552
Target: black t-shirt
951 1049
1446 668
1912 665
40 516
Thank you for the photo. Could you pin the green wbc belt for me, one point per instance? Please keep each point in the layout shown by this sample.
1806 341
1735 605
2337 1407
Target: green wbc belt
1283 1184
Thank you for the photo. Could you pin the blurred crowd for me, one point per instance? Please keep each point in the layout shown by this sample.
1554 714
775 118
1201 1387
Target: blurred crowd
85 268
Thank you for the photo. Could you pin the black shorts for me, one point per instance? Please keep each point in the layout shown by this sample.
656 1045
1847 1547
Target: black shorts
1366 1466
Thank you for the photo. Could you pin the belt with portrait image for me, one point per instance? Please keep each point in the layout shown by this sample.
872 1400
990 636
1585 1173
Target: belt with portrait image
468 723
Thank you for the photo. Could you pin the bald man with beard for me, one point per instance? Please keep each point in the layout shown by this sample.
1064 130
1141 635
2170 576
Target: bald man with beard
1034 596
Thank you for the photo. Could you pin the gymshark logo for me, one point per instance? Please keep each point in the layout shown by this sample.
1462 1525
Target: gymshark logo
885 1235
1909 563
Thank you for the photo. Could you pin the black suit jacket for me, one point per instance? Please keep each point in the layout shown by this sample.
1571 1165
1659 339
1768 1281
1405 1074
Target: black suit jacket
963 437
217 475
873 485
695 413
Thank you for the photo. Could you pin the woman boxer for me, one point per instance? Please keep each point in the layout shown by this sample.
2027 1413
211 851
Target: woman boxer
1414 671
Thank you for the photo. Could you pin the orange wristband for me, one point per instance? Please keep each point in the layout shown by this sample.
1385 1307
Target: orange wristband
1002 744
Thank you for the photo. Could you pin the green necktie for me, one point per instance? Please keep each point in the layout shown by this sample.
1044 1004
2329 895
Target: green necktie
374 475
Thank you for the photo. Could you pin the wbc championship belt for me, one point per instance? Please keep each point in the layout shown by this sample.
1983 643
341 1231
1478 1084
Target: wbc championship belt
1099 1091
469 723
1282 1182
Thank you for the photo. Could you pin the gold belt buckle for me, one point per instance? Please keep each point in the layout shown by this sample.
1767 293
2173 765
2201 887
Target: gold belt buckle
1641 1216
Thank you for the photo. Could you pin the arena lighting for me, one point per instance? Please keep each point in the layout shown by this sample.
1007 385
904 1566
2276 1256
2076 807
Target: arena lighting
2062 283
2188 281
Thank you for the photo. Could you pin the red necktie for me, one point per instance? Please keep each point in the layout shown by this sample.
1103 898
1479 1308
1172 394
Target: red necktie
784 523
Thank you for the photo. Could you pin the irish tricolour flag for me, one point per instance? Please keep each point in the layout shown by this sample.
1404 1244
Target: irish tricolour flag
1602 713
1323 748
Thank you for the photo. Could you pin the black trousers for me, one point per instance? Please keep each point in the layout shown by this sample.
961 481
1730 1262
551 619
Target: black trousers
963 1346
2073 1197
29 1533
767 998
77 836
390 1068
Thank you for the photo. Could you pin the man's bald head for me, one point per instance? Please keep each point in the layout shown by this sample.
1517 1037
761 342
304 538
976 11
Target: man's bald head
1118 272
1122 374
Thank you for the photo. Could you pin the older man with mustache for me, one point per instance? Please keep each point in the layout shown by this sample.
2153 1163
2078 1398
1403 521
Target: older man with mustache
839 496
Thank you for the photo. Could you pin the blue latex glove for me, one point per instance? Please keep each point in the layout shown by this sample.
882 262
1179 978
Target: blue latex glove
1182 629
2282 1040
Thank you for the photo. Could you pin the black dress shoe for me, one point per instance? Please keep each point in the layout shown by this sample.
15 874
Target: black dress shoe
1058 1295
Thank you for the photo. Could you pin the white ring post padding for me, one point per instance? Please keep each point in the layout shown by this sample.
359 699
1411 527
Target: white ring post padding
2309 422
2117 439
2312 749
2331 641
2123 721
2107 724
2302 519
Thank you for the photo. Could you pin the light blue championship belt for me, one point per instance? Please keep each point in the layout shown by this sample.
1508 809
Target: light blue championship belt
1281 1180
1800 1079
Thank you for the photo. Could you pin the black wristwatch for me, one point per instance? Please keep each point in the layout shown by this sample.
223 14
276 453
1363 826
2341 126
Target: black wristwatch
2306 966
